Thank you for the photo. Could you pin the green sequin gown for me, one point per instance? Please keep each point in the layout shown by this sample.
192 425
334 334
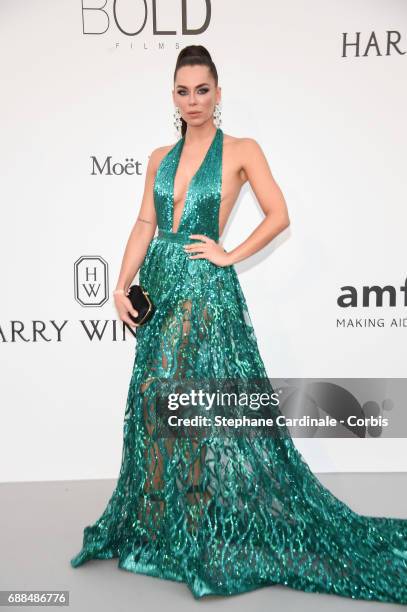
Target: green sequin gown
224 515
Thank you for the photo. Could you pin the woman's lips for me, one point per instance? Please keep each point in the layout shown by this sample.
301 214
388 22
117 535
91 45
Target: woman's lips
194 113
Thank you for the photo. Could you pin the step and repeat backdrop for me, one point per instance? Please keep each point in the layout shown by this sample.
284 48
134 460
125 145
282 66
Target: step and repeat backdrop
87 96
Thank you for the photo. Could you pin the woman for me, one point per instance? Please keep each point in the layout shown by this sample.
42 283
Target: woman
223 513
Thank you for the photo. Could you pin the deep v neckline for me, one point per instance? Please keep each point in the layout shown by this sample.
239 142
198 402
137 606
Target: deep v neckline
202 164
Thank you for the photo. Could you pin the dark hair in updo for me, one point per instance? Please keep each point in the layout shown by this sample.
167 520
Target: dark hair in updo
190 56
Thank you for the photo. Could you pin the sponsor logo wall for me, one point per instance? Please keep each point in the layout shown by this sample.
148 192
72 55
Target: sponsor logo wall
321 87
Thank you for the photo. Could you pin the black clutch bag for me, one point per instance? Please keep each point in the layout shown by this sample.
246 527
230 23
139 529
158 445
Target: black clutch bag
141 301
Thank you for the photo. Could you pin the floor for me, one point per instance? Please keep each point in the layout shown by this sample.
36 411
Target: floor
42 525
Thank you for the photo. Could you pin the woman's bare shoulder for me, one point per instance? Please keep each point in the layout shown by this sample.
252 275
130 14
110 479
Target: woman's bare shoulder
240 151
240 148
158 154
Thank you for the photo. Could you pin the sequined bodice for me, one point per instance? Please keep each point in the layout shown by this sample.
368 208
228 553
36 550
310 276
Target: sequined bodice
200 212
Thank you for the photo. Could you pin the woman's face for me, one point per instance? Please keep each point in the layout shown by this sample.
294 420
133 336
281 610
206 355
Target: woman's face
195 93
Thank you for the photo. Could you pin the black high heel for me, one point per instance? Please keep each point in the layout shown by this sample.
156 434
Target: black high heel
196 489
196 513
153 496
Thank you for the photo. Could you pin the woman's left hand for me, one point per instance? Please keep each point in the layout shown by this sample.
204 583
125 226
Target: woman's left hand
207 249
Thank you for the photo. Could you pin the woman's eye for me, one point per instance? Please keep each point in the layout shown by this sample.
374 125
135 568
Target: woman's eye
203 90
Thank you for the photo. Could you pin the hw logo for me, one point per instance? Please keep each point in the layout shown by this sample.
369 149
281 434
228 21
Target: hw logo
91 280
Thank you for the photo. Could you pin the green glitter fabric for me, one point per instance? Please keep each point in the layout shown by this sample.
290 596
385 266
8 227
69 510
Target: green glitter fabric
224 514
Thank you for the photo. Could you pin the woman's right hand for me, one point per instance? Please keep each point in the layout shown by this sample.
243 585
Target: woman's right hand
124 307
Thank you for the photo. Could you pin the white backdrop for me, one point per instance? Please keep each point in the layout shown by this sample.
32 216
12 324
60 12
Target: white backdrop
332 125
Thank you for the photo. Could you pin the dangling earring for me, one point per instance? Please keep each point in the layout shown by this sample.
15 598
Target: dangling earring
217 115
177 121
